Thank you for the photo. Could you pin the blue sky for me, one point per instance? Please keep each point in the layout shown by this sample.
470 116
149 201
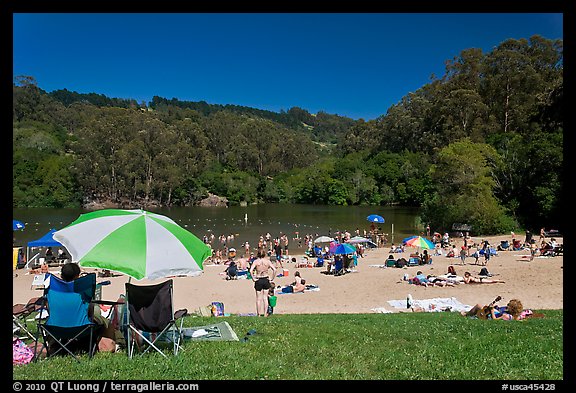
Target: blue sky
351 64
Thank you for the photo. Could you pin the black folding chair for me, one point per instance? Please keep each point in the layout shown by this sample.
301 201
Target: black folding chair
69 326
21 312
151 317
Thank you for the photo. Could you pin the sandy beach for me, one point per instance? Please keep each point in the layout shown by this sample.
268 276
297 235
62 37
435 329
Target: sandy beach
538 284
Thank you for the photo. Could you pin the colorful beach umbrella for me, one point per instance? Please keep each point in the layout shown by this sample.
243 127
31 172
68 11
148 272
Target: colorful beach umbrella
419 241
17 225
375 218
343 248
407 238
137 243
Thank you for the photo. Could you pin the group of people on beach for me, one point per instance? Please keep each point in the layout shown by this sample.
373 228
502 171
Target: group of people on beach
451 278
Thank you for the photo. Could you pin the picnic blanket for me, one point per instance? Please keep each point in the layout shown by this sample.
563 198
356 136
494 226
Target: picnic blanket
214 332
433 305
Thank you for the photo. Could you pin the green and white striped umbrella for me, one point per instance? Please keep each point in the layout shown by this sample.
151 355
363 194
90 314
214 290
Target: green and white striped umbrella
137 243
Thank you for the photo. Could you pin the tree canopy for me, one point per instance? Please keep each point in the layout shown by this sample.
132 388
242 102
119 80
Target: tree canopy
483 144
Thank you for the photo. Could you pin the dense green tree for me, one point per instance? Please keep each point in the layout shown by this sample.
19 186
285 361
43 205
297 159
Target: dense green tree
466 195
483 143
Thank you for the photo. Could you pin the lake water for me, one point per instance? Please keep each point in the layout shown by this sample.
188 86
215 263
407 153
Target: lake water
247 223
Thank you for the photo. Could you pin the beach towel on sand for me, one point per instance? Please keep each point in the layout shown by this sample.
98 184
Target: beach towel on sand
309 288
433 305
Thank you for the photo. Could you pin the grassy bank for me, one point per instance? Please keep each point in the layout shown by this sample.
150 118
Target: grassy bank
406 346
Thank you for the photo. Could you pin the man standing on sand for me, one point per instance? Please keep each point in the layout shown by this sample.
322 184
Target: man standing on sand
262 281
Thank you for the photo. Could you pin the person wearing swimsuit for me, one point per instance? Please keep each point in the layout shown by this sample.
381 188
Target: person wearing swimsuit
259 272
469 279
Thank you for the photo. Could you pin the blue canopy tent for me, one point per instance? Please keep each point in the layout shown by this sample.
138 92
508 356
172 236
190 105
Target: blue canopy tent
44 241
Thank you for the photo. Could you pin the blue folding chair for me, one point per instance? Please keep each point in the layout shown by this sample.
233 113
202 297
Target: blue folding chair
338 267
69 326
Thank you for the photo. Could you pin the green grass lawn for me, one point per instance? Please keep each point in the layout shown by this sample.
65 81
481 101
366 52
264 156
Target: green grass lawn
406 346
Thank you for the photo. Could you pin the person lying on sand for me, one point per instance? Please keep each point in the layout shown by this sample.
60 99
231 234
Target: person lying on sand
439 281
469 279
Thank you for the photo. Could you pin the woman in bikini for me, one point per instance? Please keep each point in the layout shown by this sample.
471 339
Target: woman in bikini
469 279
259 272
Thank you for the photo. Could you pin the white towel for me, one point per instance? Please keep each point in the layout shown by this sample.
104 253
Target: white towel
381 310
433 305
199 333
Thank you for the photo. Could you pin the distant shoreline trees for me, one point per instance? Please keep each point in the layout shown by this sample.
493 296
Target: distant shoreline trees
483 144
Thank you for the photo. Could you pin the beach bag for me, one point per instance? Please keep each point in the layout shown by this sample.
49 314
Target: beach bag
288 289
21 353
217 309
484 272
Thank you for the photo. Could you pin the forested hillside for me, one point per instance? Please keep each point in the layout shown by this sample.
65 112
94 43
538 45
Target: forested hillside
482 144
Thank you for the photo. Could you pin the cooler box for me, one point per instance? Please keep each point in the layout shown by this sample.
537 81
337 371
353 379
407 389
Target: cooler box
285 272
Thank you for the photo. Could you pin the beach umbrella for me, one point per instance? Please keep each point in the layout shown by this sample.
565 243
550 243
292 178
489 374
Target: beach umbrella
137 243
375 218
358 239
408 238
17 225
323 239
419 241
343 248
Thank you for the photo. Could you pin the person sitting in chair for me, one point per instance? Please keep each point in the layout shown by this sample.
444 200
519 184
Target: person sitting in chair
62 255
49 255
71 271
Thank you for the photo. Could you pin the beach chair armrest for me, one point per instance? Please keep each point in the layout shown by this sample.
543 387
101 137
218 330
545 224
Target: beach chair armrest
107 302
180 313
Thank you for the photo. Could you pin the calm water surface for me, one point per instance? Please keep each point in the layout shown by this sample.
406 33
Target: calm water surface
246 223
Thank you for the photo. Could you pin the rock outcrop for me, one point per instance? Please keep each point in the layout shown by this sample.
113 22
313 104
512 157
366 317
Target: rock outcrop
214 200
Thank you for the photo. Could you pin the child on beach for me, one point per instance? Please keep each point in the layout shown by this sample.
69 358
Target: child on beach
463 254
231 271
271 299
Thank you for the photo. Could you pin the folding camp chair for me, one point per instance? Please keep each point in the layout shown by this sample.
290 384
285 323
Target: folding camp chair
504 245
151 317
21 312
69 326
414 260
338 267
